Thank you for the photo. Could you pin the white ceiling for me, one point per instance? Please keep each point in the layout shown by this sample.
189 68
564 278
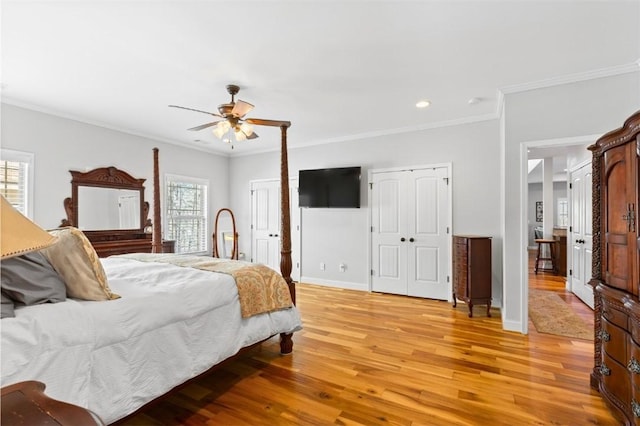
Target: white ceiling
338 70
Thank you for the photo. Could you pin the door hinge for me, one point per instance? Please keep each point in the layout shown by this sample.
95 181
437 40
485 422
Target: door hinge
571 272
372 229
370 185
372 272
571 229
570 186
447 278
446 180
447 229
297 265
252 191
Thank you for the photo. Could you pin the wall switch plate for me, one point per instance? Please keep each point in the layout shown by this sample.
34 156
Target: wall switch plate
322 266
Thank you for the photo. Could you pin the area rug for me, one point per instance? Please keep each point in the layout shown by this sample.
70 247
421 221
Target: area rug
551 315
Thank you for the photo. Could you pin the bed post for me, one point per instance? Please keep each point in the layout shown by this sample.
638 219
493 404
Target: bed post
156 237
286 343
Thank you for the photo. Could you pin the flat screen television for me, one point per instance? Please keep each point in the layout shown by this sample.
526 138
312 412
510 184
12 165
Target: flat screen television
332 188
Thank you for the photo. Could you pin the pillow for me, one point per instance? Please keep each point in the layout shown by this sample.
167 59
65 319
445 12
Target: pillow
77 262
6 309
30 280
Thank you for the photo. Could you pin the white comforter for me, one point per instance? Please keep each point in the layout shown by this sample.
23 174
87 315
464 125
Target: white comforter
112 357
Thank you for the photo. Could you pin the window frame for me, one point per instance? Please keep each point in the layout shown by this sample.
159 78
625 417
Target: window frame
174 178
27 158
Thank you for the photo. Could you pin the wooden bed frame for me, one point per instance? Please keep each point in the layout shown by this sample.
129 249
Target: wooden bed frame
27 398
286 342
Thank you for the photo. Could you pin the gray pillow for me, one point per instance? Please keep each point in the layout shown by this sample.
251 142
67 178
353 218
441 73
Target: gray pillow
30 279
6 309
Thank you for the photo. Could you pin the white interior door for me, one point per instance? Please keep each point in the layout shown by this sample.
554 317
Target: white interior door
265 225
409 232
428 255
580 234
389 233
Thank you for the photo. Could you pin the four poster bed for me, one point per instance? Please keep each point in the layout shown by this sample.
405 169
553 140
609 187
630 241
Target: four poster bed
154 321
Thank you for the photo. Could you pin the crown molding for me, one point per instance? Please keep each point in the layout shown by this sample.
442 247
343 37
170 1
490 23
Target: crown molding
572 78
83 120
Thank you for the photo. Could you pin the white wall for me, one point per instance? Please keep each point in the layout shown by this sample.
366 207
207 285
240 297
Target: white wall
61 144
335 236
570 110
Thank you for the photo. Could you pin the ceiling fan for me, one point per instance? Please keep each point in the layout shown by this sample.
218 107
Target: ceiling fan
232 124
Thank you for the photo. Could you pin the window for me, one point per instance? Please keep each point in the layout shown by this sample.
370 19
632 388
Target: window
186 213
16 180
563 212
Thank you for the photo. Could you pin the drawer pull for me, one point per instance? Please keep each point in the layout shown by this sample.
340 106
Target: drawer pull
606 314
604 370
604 336
635 408
634 366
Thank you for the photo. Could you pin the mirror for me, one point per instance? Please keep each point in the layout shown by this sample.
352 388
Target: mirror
106 199
108 208
228 238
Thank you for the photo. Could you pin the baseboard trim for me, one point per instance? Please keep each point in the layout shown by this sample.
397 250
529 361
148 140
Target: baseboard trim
338 284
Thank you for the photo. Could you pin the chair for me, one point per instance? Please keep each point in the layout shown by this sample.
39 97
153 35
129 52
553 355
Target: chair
542 242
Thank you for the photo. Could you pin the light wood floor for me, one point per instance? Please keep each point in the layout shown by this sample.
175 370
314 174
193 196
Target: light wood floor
376 359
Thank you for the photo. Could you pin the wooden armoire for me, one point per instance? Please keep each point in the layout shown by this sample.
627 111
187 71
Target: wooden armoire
616 265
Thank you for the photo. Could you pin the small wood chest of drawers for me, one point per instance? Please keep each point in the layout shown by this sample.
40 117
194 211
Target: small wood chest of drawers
472 271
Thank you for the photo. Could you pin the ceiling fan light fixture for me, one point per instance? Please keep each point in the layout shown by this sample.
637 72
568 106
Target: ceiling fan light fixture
246 128
240 136
221 128
423 103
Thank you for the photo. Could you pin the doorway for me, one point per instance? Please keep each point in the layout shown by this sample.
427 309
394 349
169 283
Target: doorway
575 150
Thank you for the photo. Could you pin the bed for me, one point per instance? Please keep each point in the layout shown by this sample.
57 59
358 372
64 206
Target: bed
189 313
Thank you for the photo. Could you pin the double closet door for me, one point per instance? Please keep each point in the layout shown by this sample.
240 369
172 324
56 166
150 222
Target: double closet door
410 223
265 224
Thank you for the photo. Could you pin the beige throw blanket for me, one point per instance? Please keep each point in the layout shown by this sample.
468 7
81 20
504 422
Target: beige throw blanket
260 288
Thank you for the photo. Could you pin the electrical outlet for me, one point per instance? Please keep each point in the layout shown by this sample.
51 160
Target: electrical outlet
342 267
322 266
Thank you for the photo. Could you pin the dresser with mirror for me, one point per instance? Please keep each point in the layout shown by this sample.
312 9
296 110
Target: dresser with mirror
108 205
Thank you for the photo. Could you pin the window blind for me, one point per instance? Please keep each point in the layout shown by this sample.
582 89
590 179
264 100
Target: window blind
186 213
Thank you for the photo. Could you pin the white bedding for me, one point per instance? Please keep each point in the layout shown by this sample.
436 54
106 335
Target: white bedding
112 357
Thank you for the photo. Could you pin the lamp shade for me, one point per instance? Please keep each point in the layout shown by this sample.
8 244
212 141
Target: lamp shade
19 235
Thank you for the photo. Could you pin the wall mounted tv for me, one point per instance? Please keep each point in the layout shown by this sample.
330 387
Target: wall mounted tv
337 187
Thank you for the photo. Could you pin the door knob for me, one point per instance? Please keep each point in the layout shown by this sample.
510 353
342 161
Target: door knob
411 240
402 239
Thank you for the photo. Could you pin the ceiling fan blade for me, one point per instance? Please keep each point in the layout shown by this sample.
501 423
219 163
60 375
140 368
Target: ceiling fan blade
273 123
241 108
204 126
196 110
253 135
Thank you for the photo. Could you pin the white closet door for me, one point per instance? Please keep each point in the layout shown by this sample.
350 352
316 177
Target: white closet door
389 228
409 239
265 225
580 234
427 233
265 213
